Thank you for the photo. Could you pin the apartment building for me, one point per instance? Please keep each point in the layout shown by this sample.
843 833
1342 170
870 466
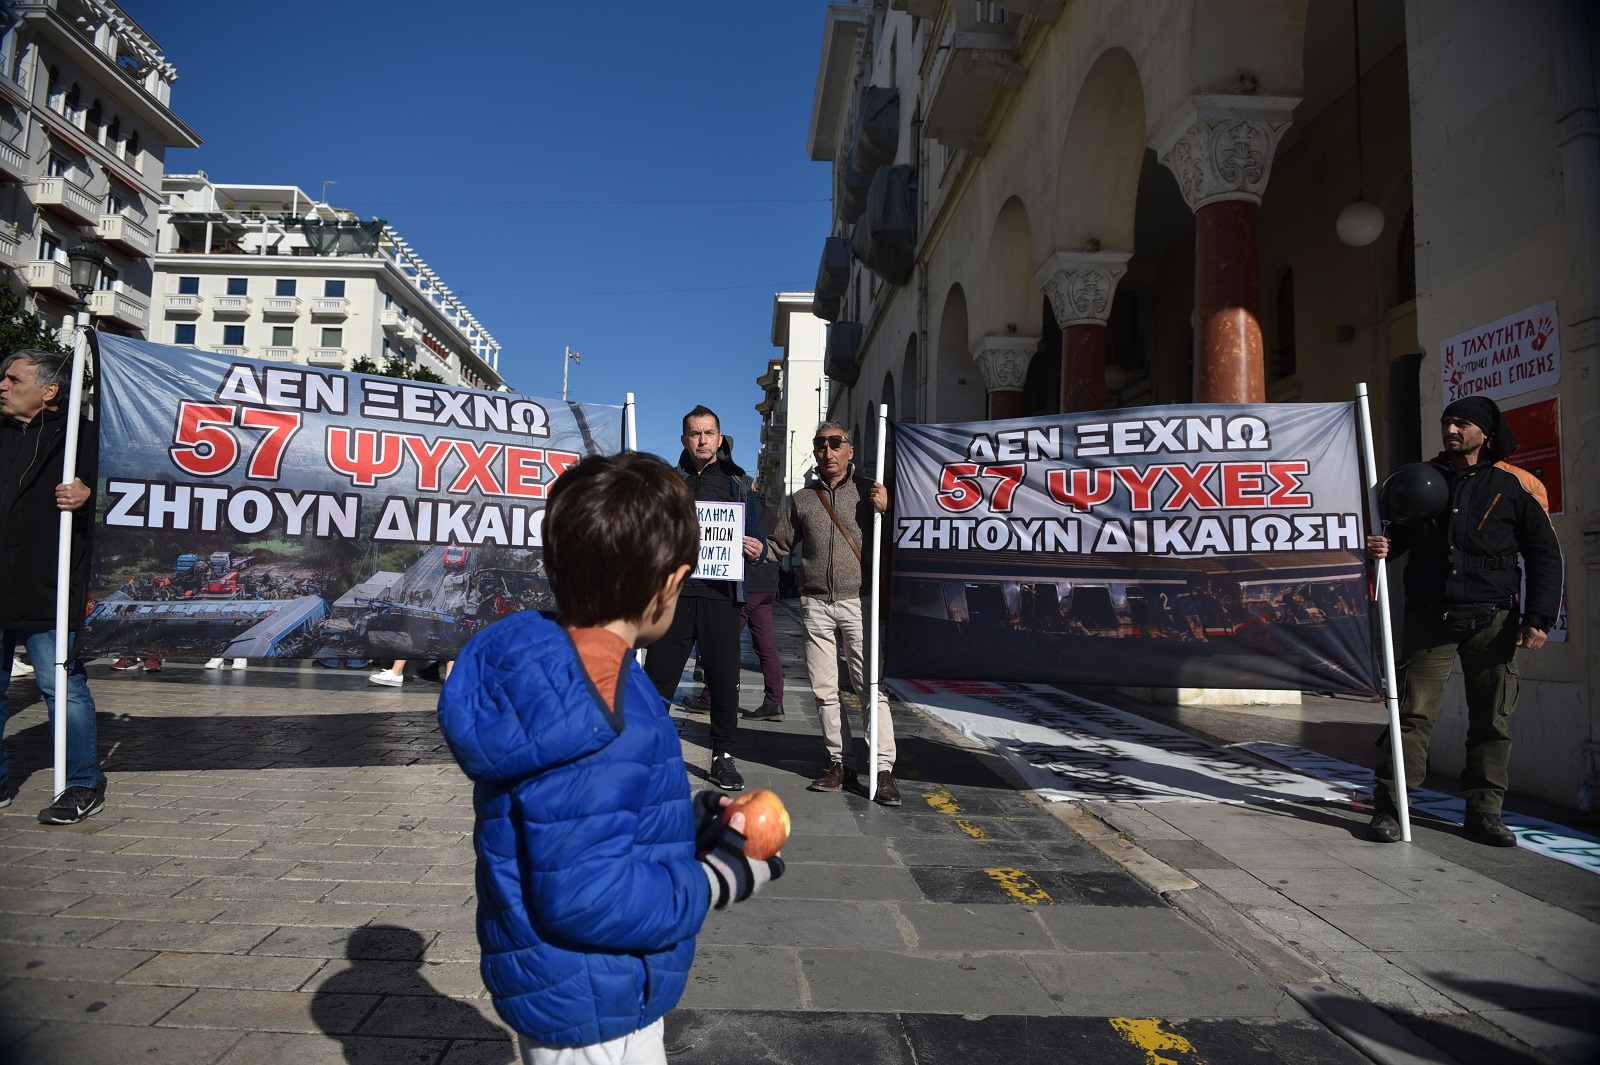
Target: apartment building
85 123
269 272
794 396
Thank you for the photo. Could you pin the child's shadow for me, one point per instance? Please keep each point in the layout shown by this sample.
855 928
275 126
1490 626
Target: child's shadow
386 960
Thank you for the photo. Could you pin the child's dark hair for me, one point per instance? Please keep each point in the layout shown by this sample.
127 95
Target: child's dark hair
616 528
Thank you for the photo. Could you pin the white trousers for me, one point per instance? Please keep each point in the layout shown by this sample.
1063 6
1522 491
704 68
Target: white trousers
647 1046
830 626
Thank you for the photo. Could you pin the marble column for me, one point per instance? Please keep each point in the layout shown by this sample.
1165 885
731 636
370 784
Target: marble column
1080 286
1220 149
1003 360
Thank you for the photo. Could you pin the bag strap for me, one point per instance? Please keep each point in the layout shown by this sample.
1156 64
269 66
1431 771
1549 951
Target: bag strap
822 496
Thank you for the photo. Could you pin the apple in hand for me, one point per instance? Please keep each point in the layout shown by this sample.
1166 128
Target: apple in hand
766 822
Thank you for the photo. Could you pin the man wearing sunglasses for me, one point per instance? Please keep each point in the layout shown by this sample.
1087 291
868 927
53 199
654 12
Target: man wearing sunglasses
708 611
830 521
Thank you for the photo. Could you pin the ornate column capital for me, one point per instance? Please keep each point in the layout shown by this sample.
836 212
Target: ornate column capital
1003 360
1080 284
1220 147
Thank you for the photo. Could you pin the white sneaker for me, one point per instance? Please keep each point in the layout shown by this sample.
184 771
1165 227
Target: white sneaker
215 663
384 677
240 663
19 668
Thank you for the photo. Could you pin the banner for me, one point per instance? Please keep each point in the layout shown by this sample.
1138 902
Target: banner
261 509
1512 355
1200 545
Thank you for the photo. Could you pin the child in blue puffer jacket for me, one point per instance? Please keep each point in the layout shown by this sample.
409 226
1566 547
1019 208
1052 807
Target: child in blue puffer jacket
595 865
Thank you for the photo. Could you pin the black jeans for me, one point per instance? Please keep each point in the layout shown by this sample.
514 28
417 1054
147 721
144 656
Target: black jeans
714 624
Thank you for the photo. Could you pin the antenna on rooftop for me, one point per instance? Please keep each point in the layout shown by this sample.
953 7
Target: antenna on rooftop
325 183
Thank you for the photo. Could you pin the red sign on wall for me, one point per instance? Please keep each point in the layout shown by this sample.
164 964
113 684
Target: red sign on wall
1538 430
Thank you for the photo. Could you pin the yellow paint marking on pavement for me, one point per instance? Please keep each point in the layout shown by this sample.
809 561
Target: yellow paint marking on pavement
1020 886
1148 1036
941 799
971 829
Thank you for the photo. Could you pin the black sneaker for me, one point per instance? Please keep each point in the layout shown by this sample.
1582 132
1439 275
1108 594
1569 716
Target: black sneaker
6 795
724 774
75 804
764 712
1489 829
697 704
1383 829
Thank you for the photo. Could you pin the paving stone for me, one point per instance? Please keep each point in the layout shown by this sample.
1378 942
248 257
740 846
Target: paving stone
229 866
96 965
64 1041
249 888
1404 927
270 1011
1497 979
56 932
455 979
769 921
352 872
1319 888
713 1036
148 908
402 894
452 946
743 977
1156 984
37 901
239 971
430 1015
1100 929
894 982
275 1048
470 1052
866 883
88 1003
173 935
996 927
313 914
389 943
120 864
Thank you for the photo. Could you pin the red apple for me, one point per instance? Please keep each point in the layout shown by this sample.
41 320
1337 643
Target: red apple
766 822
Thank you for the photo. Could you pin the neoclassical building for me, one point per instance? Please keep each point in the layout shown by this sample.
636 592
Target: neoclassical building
1042 206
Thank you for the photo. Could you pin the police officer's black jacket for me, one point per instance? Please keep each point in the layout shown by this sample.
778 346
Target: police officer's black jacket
1468 553
30 469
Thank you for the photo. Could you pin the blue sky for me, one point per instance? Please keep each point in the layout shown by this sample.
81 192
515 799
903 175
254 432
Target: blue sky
629 179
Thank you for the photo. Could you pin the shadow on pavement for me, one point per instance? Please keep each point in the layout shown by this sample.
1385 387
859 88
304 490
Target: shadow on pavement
412 1021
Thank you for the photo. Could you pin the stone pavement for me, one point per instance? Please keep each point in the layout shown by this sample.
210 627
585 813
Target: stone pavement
283 874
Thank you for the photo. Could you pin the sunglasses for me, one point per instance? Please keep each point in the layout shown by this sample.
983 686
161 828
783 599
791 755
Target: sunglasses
835 443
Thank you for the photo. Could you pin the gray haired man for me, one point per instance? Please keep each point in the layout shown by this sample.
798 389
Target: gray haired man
830 520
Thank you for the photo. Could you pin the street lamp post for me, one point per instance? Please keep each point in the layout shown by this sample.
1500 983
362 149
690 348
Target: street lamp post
86 260
570 357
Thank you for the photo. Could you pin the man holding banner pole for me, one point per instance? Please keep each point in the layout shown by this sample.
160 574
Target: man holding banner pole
33 441
708 610
830 520
1462 588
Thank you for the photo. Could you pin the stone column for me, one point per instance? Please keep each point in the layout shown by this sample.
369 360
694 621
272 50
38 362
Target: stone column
1003 360
1220 149
1080 285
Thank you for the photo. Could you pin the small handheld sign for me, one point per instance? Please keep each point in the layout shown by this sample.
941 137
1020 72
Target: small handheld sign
721 541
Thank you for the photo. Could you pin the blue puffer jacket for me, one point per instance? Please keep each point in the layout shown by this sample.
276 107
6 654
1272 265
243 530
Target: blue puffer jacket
589 893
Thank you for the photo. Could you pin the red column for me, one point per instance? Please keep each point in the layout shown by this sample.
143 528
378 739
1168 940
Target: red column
1083 367
1005 403
1229 363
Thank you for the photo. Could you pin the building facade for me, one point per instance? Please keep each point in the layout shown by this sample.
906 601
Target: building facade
269 272
85 123
1043 206
795 396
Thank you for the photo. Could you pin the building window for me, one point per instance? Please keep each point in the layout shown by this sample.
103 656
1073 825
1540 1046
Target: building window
386 348
108 279
189 286
114 133
133 149
94 120
283 336
238 286
333 289
52 92
74 100
233 336
1283 354
115 203
183 333
332 337
56 165
50 249
285 287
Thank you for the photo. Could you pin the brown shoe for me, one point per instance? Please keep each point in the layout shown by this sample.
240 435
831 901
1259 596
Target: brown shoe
834 779
888 794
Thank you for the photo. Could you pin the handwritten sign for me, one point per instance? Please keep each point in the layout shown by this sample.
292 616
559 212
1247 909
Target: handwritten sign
721 541
1516 354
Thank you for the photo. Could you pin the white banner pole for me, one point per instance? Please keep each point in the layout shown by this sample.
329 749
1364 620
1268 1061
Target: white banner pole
873 633
69 470
1391 699
630 430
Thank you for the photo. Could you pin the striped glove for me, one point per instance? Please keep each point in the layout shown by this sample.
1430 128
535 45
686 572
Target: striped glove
734 877
708 806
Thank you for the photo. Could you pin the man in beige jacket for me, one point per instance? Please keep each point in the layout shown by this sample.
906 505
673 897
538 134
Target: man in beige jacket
830 520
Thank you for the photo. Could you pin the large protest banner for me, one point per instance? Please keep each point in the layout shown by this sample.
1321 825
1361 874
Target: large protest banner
1203 545
270 510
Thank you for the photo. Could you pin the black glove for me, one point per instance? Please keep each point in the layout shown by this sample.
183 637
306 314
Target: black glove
707 813
733 876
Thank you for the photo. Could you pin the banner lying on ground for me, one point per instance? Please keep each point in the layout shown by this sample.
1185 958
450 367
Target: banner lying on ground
270 510
1183 546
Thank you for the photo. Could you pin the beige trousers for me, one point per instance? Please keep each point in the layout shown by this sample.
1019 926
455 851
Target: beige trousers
828 627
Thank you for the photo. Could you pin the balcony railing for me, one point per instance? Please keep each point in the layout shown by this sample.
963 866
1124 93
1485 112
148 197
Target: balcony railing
183 303
230 306
281 305
279 354
50 276
127 235
119 306
976 64
330 307
326 357
13 161
232 351
10 244
67 199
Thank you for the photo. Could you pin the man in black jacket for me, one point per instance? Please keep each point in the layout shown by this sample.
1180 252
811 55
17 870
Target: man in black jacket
1462 585
708 610
33 434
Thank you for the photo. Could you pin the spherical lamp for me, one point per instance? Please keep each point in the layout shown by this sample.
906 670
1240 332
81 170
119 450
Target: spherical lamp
1359 224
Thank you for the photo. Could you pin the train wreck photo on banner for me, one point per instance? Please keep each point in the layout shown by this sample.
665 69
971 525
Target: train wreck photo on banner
255 509
1183 546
